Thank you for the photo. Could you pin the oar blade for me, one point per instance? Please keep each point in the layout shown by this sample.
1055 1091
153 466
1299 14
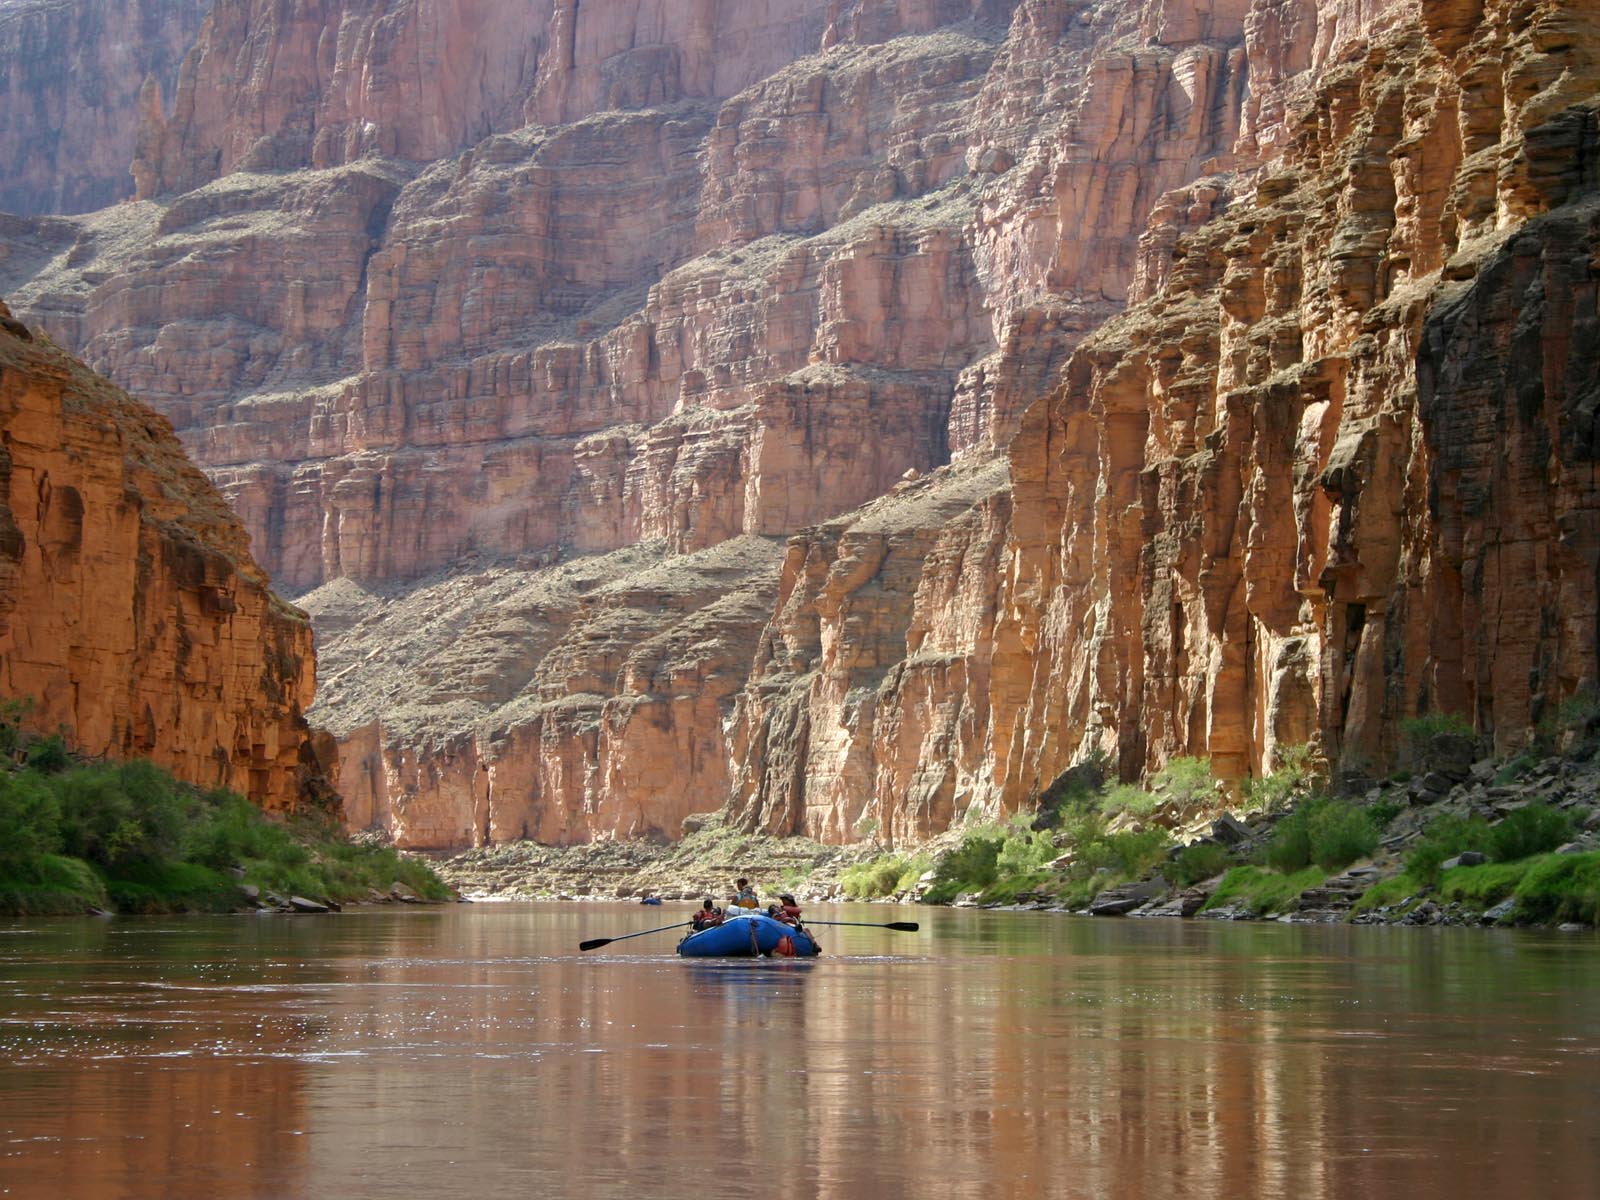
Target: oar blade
903 926
595 943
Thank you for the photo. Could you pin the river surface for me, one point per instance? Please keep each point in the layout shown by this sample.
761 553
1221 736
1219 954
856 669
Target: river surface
472 1051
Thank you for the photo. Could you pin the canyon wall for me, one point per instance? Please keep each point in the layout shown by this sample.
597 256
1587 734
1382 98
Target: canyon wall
1333 469
77 80
131 613
852 414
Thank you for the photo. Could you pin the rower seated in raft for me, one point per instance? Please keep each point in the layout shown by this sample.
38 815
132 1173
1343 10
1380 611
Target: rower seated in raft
786 910
709 916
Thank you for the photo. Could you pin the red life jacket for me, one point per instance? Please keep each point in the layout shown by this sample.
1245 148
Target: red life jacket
707 919
789 914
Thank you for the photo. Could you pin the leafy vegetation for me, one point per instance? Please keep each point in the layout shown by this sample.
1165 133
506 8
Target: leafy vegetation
77 836
1535 829
1330 833
1128 798
1293 780
887 875
1198 862
1444 838
1185 780
1262 891
1561 887
1383 813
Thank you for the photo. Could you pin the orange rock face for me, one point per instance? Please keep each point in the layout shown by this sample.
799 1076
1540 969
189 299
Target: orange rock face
130 610
1335 469
856 413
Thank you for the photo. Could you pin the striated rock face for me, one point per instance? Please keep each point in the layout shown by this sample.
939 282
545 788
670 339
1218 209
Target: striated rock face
78 75
130 610
1335 470
858 412
1325 490
582 701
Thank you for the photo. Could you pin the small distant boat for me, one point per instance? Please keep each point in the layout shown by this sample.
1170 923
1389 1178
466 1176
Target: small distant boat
651 900
752 935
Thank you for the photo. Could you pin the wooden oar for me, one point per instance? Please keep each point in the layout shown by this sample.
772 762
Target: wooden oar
902 926
596 943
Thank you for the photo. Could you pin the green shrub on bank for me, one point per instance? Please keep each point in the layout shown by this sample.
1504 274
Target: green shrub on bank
886 876
1330 833
1124 855
1561 887
50 885
130 836
1444 838
1534 829
1024 850
1262 891
1185 779
1383 813
30 820
1340 835
1128 798
995 861
1198 862
1292 781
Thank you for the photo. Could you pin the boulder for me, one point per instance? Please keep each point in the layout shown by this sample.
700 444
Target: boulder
1229 830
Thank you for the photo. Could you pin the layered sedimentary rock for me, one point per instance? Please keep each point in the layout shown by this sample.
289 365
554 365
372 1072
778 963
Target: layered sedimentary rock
514 296
1338 469
78 79
578 702
131 613
727 271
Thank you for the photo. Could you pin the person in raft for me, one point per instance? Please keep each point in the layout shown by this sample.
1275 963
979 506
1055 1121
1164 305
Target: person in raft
708 917
746 897
788 911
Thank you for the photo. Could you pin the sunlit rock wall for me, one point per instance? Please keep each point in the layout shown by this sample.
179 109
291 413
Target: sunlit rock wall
1146 376
131 614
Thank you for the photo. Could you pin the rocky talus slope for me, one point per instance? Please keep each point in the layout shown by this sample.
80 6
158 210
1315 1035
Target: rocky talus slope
131 613
853 414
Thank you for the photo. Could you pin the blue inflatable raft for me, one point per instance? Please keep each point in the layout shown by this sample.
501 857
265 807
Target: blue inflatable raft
752 936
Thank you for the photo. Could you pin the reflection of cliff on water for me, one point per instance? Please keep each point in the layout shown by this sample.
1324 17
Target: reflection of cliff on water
473 1051
128 1047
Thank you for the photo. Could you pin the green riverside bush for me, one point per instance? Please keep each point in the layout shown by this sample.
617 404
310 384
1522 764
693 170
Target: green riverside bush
1562 887
1185 779
1129 798
1200 861
1445 837
131 836
1535 829
1341 834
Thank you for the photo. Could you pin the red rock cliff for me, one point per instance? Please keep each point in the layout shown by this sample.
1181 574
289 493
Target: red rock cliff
130 610
682 403
78 78
1336 468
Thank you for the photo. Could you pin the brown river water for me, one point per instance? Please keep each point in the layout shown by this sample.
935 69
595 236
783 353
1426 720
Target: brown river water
472 1051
